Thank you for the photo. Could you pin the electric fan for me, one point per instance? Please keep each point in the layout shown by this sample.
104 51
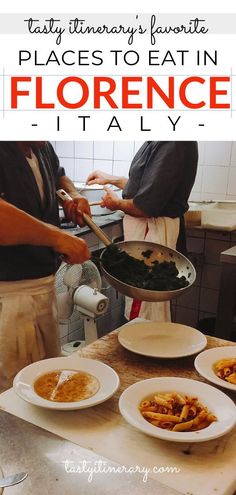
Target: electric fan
78 296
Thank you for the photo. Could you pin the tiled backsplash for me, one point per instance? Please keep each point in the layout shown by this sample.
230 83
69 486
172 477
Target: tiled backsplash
201 300
216 176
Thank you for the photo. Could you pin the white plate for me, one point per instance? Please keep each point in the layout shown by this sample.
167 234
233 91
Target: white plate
205 361
162 340
108 378
216 401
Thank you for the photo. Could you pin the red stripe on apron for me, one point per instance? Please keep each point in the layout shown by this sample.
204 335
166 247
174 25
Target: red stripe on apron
136 304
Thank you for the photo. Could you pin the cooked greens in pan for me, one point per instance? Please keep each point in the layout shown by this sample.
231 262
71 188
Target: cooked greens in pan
160 276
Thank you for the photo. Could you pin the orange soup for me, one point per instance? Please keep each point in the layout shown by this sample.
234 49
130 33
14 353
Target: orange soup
66 386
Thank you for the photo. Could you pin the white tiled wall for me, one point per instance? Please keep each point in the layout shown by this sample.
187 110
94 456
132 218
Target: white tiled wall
79 158
216 177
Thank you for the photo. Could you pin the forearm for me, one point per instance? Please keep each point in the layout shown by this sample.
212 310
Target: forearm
17 227
128 206
103 179
68 186
119 182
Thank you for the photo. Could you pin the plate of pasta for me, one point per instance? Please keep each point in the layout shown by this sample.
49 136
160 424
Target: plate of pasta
218 365
178 409
66 383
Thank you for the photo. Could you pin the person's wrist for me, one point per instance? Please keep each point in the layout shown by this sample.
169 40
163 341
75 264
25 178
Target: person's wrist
119 204
119 182
116 181
53 236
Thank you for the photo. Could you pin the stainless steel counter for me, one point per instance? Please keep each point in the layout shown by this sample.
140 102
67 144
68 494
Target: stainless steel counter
24 447
100 220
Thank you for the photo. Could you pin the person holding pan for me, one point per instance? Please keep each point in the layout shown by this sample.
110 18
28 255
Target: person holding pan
154 200
31 243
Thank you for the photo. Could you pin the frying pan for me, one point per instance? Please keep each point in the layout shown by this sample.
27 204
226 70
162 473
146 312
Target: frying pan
160 253
135 249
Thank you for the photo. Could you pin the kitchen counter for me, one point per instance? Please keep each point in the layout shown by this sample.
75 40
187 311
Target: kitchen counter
191 221
102 221
212 215
101 430
25 447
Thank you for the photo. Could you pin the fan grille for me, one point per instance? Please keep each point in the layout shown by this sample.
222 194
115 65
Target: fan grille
85 274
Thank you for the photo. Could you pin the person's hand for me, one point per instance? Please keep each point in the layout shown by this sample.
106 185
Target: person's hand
99 177
110 200
74 210
73 249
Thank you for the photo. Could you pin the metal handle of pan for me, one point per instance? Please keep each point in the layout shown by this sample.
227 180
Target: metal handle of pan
64 195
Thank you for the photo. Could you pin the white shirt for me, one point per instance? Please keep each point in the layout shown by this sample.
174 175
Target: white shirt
34 164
